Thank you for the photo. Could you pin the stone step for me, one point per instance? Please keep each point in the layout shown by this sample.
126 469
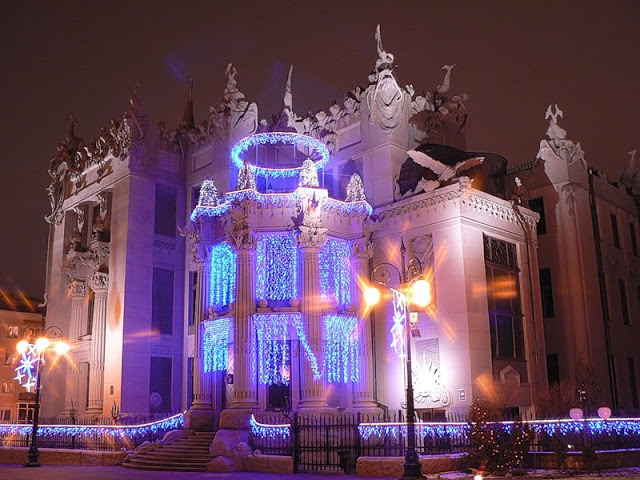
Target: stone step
184 449
174 468
143 460
172 455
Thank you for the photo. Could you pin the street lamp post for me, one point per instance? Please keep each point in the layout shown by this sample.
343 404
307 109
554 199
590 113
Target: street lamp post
407 274
33 358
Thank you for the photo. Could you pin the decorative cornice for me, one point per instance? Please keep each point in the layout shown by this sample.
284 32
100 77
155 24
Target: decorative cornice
468 199
99 282
81 265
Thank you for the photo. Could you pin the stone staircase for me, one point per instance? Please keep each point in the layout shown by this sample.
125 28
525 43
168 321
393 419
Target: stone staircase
186 454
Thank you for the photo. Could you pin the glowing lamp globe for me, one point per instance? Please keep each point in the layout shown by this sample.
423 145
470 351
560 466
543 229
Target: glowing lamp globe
371 295
42 343
604 413
61 348
22 346
421 293
477 476
575 413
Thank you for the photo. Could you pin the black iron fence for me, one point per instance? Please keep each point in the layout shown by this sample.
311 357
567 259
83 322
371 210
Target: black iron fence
333 442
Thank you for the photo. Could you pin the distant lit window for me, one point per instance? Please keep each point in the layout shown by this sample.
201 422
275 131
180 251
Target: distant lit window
8 386
9 358
624 308
546 293
634 240
614 231
13 331
537 205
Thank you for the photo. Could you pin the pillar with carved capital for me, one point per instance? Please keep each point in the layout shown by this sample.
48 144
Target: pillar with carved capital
245 389
200 416
363 388
313 385
99 283
77 292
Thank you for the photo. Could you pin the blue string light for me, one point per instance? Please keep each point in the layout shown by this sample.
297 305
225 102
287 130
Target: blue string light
271 432
276 267
341 358
222 284
280 200
98 431
318 149
335 274
296 320
273 347
215 344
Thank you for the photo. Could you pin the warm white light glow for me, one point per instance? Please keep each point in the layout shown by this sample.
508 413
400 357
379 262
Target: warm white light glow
371 296
421 293
477 476
22 346
41 344
61 348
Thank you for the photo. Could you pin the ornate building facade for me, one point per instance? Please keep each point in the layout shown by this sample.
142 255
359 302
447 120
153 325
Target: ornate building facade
220 266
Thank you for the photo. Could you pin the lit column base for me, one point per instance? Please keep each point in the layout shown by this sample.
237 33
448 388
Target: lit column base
200 419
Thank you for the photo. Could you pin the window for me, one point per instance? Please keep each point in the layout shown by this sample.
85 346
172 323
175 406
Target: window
165 210
503 295
624 308
633 382
160 385
634 240
546 292
5 415
162 301
537 205
8 386
13 331
553 369
10 358
614 231
193 296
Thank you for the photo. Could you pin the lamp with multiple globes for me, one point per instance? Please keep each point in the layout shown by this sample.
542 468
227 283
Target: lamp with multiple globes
29 374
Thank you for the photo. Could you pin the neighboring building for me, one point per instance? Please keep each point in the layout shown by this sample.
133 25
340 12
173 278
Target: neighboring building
261 306
588 252
17 314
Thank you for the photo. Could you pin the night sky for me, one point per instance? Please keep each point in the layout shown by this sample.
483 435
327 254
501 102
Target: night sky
513 59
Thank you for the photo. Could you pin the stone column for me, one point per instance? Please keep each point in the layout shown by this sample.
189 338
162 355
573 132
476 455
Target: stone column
77 293
245 388
313 389
363 388
200 416
99 283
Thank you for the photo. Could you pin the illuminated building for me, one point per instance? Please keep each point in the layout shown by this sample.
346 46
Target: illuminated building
257 302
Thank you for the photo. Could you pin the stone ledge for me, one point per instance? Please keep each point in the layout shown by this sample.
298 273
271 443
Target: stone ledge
392 466
269 463
54 456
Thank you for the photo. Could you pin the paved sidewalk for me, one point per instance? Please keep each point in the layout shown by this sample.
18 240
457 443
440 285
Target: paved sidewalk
80 472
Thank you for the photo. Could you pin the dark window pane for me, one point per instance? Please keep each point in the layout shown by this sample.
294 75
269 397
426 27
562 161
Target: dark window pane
162 301
623 303
494 335
614 231
165 210
505 337
160 385
634 240
553 369
537 205
633 382
546 292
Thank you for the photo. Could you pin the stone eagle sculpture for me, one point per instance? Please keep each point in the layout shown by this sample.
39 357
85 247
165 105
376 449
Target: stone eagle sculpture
444 172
